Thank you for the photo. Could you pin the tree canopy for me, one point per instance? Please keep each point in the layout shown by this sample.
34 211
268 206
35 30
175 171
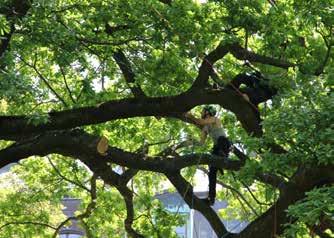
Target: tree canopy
73 71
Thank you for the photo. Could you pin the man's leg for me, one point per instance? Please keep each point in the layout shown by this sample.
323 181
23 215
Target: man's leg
224 147
212 184
221 148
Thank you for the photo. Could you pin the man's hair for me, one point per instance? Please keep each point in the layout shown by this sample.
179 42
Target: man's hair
210 109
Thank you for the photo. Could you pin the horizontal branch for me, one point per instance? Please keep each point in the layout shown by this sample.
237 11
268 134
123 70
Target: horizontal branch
13 127
81 145
78 144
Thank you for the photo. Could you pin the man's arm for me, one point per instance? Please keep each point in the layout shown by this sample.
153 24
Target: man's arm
200 121
204 135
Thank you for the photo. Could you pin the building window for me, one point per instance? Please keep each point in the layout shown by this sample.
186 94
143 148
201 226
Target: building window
70 236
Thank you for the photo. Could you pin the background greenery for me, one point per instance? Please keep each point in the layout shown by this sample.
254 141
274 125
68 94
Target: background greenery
61 57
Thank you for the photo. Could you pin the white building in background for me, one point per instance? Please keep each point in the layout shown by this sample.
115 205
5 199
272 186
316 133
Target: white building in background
196 225
71 205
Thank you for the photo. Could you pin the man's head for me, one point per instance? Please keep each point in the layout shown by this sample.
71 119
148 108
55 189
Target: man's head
208 111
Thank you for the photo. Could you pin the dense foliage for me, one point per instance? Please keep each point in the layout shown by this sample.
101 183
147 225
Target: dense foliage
72 71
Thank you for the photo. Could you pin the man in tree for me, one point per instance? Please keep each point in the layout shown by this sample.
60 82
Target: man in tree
211 125
116 65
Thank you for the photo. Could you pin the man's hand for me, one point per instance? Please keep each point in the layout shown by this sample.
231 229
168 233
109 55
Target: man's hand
188 115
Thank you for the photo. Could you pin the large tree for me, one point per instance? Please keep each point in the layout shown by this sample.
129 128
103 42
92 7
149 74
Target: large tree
73 71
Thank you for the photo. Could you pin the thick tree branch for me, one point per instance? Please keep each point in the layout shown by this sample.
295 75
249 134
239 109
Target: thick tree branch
243 54
72 143
13 127
276 216
83 146
128 175
206 68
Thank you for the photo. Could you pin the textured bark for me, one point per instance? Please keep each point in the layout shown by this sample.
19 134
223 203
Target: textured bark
206 68
54 136
80 144
271 222
243 54
14 127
